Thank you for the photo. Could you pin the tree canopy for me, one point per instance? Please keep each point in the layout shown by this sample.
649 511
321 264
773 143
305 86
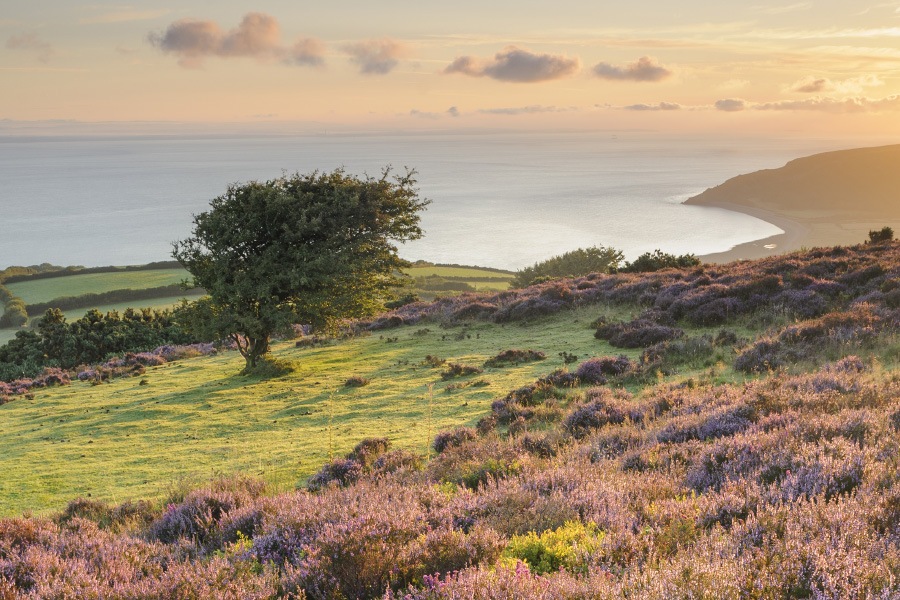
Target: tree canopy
308 249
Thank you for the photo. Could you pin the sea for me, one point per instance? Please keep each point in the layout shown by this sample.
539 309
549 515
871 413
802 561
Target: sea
498 199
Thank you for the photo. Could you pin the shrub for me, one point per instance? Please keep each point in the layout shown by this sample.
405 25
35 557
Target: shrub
341 471
434 361
650 262
357 381
397 460
596 370
508 357
885 234
368 450
573 547
602 409
639 333
460 370
456 437
583 261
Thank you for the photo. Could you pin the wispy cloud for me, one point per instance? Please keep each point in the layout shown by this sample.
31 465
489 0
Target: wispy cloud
30 42
850 104
646 68
258 36
526 110
517 65
854 85
855 104
123 14
780 10
661 106
376 56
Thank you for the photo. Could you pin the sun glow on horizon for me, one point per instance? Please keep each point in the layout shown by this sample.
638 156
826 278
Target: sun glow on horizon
814 67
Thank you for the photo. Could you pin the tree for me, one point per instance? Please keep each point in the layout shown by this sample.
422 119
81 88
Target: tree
307 249
575 263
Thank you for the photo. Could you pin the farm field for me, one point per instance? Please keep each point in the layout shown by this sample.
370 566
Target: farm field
44 290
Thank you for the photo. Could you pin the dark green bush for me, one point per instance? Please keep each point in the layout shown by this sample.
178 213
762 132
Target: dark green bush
583 261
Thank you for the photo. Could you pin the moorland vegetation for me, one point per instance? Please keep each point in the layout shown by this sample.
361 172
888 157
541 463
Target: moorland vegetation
743 444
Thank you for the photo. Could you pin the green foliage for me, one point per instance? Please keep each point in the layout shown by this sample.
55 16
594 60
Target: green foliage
567 548
403 300
308 249
88 340
657 260
583 261
114 296
14 314
885 234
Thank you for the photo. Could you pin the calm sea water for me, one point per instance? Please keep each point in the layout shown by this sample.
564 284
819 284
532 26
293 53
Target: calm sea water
501 200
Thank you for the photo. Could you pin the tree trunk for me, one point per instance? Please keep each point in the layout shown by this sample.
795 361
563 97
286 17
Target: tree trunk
252 349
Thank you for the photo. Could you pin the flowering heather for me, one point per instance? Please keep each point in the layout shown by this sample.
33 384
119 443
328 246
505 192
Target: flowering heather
19 387
639 333
782 485
460 370
800 285
596 370
512 357
457 437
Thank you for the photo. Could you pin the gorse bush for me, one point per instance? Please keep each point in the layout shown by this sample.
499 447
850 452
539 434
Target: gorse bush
571 547
649 262
583 261
88 340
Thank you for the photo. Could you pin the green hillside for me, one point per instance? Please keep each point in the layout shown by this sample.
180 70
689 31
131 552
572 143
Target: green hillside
197 417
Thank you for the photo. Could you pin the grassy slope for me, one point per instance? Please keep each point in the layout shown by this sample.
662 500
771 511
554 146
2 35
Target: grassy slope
198 417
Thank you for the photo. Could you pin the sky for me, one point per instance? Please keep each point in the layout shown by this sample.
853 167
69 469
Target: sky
824 66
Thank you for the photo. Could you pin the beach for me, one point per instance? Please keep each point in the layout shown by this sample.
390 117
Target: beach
802 230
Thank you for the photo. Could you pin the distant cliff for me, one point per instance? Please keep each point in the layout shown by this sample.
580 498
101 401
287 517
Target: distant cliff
865 180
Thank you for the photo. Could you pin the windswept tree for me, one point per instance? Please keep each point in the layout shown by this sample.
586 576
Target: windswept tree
307 249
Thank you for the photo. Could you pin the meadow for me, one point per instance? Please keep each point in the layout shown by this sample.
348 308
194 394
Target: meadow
708 432
198 417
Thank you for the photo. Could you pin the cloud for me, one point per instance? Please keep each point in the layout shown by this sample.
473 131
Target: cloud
853 104
424 115
516 65
654 107
854 85
453 111
376 56
258 36
31 42
849 104
731 105
306 51
124 15
645 69
525 110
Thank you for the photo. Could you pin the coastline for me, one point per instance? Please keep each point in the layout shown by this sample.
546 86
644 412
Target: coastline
794 237
802 229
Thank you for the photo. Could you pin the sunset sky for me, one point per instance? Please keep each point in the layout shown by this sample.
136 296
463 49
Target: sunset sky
693 65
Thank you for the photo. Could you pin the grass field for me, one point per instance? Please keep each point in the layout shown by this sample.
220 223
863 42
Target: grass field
455 272
44 290
198 417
